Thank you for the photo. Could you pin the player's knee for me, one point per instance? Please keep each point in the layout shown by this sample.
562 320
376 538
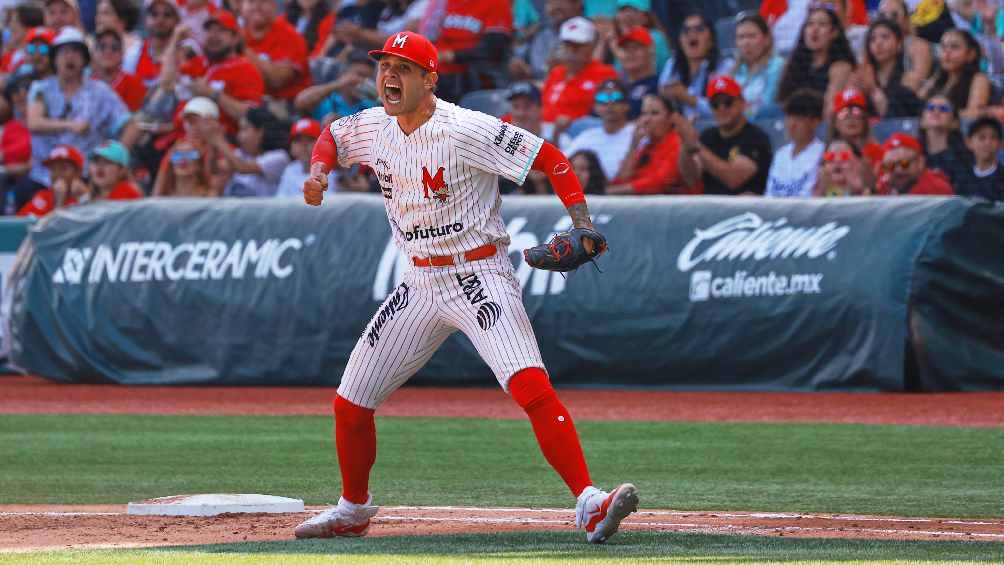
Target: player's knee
351 415
530 387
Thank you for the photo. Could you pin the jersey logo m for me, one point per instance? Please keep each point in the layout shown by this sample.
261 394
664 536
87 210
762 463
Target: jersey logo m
400 40
436 185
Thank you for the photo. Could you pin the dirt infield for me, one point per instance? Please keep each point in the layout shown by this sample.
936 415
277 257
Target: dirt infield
28 527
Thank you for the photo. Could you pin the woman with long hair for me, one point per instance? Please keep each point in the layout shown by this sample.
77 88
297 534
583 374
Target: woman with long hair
652 164
959 76
696 58
758 68
260 157
188 172
919 53
941 137
881 73
587 169
822 59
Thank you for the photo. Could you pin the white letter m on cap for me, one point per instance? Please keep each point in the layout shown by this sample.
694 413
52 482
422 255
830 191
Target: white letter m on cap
399 40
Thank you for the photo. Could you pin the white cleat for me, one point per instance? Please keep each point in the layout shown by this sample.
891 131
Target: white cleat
345 520
600 513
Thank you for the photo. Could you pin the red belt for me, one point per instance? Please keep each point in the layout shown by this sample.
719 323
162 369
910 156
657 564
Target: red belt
476 254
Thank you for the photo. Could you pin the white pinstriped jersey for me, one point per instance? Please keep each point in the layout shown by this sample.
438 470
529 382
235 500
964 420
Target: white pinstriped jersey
440 183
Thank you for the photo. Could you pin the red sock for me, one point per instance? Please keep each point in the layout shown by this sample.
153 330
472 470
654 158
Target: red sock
556 435
355 440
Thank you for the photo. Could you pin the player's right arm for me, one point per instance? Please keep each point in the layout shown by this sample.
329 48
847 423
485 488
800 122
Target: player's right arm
323 159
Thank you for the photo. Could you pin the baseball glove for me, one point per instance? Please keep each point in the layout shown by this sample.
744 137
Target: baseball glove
566 251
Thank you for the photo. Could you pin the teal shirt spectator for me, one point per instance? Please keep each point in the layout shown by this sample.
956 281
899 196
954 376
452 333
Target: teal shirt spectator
524 14
760 87
337 104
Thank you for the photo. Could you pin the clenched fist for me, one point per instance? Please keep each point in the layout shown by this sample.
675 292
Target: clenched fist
313 189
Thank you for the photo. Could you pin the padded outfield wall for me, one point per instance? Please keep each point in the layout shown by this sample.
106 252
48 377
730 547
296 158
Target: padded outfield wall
696 293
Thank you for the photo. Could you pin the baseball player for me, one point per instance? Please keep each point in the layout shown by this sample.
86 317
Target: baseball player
438 166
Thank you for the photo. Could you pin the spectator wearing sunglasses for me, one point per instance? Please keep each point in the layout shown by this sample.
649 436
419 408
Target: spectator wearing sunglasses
850 123
187 173
636 55
733 157
758 68
843 172
71 108
570 89
653 165
822 59
612 140
985 179
120 16
793 170
146 59
107 67
525 112
37 52
19 20
941 137
695 58
904 170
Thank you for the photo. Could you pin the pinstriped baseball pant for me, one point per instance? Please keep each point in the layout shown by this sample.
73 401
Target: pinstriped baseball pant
483 299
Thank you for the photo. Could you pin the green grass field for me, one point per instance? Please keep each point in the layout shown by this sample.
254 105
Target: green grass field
888 470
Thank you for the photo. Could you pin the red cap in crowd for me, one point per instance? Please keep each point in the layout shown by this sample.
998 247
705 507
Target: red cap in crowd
305 126
636 34
411 46
65 153
46 34
849 97
724 84
900 139
225 19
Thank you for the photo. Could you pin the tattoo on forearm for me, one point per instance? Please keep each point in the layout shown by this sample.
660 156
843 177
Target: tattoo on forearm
580 215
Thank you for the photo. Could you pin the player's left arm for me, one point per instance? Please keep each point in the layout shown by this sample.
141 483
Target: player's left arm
552 162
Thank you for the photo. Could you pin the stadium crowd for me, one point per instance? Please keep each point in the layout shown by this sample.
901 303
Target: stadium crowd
108 99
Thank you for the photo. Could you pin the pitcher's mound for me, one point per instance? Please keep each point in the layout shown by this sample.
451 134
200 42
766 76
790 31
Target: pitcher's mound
213 504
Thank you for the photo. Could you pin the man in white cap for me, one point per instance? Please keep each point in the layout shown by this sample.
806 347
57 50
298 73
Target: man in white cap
571 86
73 109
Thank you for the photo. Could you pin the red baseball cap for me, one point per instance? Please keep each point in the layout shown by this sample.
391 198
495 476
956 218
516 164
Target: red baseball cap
900 139
849 97
724 84
225 19
411 46
46 34
65 153
637 34
305 126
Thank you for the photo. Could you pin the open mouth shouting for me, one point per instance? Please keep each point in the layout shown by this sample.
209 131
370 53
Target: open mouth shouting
392 91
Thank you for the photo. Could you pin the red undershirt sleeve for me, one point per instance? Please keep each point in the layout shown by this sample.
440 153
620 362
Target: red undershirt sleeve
325 151
551 161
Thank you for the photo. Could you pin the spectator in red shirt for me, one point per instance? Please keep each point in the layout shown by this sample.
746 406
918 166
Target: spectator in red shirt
66 165
146 59
15 158
275 47
107 67
905 172
473 43
233 82
570 89
653 167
